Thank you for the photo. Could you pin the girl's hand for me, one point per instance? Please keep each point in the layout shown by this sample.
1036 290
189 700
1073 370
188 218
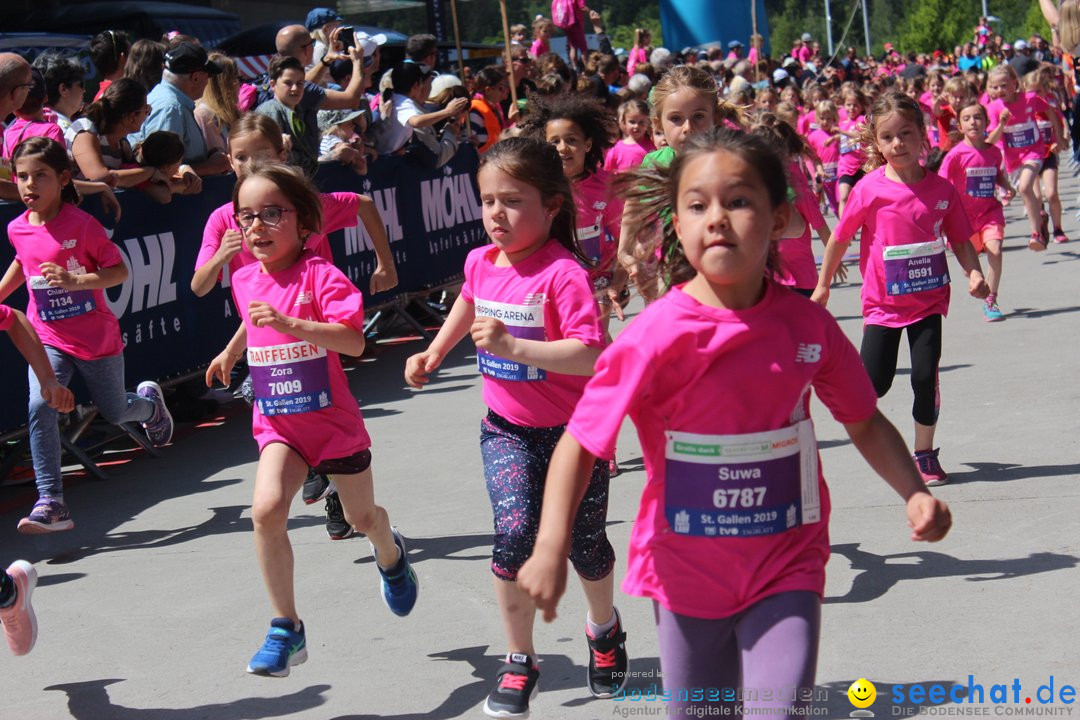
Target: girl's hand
841 273
543 577
458 105
57 276
821 296
383 279
110 204
191 179
1008 196
977 286
928 517
490 334
221 368
1005 116
232 242
612 300
419 366
263 314
58 397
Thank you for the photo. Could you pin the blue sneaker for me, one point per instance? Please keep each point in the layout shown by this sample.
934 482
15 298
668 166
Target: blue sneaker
159 428
285 646
400 590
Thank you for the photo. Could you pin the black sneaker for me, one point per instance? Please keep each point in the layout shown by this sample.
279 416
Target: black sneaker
316 488
515 685
336 525
607 660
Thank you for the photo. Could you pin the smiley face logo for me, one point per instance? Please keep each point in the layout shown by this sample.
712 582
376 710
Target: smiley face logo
862 693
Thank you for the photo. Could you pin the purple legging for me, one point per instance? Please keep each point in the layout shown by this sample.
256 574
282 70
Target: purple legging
770 647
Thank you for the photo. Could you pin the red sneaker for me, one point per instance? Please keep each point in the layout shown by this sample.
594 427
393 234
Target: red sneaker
930 468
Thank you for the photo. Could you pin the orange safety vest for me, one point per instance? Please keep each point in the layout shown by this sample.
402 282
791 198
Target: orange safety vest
491 123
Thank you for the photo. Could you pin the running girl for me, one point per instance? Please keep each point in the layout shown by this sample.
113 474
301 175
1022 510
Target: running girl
528 305
66 260
636 142
974 169
690 371
1012 116
903 212
299 313
826 143
1044 83
852 156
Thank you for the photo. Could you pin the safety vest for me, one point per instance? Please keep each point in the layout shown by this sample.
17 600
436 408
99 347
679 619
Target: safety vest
491 123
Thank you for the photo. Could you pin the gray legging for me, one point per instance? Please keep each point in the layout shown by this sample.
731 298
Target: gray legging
770 647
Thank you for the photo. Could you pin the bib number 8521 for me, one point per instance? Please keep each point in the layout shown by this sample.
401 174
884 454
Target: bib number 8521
286 387
739 497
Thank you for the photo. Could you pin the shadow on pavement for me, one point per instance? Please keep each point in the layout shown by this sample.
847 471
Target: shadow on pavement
1001 472
1024 313
90 701
879 573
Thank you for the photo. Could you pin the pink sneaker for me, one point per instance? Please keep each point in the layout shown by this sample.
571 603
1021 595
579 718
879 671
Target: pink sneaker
20 624
930 468
1060 237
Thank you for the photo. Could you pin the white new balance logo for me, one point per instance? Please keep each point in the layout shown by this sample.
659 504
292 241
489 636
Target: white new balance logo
942 205
808 353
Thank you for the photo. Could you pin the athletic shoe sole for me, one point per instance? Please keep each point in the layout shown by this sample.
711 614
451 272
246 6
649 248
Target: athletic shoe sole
25 595
31 527
297 658
164 408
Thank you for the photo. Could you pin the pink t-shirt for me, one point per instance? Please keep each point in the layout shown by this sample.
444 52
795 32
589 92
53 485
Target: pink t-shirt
302 398
339 211
828 152
637 56
795 254
21 129
974 173
76 322
7 318
625 155
901 251
1021 141
539 47
683 368
599 222
852 156
807 123
546 296
804 54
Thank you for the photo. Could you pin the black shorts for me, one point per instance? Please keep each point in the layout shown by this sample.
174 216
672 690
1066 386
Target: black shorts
1050 162
851 179
352 465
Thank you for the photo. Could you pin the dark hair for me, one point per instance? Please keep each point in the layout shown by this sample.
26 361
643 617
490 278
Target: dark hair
58 70
418 47
106 49
161 148
406 76
280 63
52 154
35 97
588 114
254 123
120 98
294 185
652 193
887 104
535 162
489 77
145 63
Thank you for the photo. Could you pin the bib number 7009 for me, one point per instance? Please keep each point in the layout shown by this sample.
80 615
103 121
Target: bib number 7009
747 497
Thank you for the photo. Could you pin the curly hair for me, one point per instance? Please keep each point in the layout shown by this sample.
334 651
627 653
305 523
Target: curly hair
587 113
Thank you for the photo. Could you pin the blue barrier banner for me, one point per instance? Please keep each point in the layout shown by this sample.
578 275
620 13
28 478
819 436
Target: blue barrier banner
432 220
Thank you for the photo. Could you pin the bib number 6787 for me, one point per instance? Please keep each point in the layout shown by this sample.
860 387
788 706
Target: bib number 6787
738 497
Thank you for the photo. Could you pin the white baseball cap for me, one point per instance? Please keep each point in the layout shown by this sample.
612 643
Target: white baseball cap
369 43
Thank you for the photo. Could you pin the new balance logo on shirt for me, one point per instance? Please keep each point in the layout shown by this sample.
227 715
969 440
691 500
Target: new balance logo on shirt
942 205
808 353
302 298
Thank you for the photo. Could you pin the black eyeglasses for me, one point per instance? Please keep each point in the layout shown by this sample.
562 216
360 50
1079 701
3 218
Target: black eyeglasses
270 216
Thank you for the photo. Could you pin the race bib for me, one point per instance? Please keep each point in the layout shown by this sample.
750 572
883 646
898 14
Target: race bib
847 145
289 379
590 239
1020 135
917 267
980 181
742 485
522 321
829 174
55 303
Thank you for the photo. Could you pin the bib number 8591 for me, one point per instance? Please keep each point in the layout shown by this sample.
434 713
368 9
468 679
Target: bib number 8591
286 387
739 497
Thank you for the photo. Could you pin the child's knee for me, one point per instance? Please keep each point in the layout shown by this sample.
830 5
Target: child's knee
365 520
269 514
